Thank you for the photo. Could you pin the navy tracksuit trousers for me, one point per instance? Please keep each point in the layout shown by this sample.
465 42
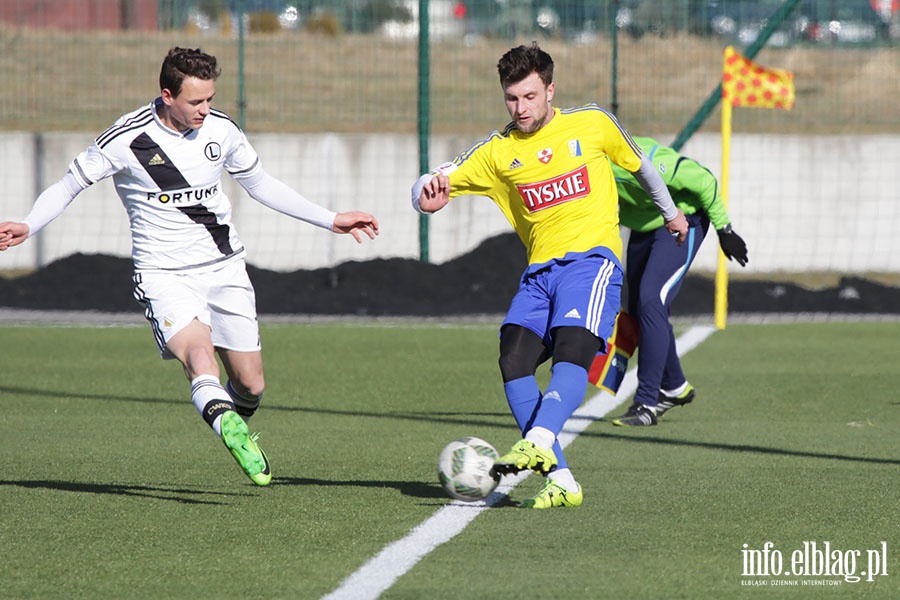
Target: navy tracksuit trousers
655 269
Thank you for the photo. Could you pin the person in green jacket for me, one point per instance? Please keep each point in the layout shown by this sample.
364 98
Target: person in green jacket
655 268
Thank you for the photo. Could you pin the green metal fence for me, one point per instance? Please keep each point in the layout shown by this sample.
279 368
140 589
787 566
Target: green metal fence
356 67
352 65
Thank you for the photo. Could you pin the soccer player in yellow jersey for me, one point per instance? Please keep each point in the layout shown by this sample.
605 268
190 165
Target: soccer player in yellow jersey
549 172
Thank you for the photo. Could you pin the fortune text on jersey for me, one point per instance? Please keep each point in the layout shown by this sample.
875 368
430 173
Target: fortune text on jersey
552 192
183 196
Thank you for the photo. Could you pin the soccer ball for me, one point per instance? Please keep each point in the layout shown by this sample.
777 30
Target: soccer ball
464 469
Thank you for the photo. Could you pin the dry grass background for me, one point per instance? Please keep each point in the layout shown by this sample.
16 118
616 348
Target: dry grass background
301 82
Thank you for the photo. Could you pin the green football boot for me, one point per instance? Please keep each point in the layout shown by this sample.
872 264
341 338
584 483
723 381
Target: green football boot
244 448
525 456
553 495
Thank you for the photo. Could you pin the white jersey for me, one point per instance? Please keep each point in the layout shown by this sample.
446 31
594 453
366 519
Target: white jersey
170 185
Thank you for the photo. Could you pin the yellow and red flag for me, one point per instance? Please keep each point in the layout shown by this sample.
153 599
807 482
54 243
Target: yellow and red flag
745 83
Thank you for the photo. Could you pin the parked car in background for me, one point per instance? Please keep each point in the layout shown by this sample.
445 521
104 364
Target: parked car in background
811 21
847 21
508 19
741 22
577 21
399 19
661 18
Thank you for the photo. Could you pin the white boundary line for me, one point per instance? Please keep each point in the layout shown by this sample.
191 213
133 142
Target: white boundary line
398 558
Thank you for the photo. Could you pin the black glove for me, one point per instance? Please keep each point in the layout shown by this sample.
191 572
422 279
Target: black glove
733 245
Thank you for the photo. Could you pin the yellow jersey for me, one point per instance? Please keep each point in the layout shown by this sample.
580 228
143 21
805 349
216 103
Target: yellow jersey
555 186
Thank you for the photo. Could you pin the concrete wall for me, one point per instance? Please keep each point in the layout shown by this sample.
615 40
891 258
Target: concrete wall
802 203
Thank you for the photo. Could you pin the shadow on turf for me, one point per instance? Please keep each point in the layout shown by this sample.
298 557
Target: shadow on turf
739 448
488 419
417 489
430 417
83 396
115 489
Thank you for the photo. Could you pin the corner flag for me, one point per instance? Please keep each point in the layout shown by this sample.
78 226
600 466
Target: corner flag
744 83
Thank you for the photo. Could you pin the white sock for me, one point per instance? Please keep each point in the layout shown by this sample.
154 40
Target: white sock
541 436
564 478
211 400
676 392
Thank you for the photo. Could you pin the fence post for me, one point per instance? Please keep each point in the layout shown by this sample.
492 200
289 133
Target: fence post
241 99
40 155
424 120
614 33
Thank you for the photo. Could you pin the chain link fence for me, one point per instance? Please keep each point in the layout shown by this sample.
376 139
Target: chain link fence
330 88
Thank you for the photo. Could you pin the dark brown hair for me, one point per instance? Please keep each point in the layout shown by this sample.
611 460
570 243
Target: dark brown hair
184 62
522 61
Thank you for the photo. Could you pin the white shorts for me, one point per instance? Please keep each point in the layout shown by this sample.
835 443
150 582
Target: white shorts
224 300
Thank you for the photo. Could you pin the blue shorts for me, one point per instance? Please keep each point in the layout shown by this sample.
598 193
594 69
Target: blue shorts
585 292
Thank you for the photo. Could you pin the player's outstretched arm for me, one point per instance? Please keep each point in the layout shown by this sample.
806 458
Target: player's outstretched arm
354 222
12 234
49 205
431 193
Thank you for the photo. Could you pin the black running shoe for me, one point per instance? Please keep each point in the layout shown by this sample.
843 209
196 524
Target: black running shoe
665 403
637 416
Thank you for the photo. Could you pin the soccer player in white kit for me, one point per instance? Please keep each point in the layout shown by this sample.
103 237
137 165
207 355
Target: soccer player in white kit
166 160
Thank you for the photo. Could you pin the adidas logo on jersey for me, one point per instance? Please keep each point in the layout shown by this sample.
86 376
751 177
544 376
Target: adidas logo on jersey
156 161
515 164
573 314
